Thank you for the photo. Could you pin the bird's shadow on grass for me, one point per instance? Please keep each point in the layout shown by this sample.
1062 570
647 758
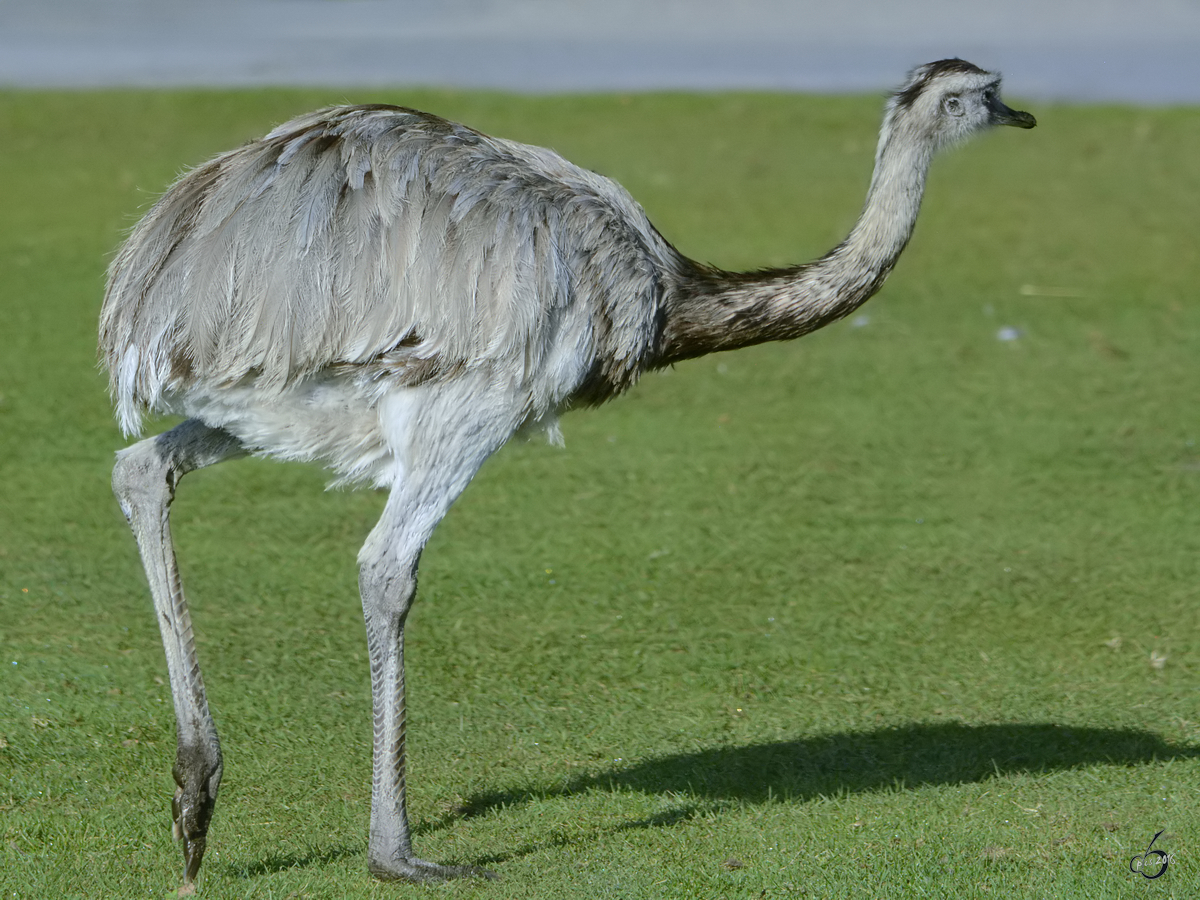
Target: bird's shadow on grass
895 758
282 862
849 762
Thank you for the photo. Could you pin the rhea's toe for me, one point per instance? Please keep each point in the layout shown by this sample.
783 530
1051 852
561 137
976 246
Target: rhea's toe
190 820
422 871
193 855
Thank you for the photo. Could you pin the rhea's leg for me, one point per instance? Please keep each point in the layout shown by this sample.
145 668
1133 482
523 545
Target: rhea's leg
389 851
388 585
144 481
439 442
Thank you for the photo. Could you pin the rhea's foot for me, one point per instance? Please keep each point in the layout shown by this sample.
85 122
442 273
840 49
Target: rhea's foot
191 812
192 833
421 871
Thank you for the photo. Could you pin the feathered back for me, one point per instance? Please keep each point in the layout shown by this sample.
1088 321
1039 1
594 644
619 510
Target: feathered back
356 234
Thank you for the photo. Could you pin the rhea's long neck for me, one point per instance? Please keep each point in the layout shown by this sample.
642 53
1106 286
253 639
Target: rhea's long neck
709 309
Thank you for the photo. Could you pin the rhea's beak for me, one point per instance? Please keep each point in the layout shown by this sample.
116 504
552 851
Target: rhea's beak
1002 115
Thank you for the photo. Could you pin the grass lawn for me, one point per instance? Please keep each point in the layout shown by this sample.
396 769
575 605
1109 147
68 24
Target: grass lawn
902 609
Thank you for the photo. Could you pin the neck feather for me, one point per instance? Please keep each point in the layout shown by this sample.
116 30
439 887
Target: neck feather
708 309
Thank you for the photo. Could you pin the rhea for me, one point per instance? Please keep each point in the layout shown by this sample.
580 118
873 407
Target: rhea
394 295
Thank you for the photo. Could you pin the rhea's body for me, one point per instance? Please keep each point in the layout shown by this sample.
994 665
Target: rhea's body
281 290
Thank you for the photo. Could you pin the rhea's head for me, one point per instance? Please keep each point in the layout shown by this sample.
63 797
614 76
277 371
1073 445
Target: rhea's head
947 101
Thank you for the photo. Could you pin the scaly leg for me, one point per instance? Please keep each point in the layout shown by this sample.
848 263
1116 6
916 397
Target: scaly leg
439 443
144 480
389 851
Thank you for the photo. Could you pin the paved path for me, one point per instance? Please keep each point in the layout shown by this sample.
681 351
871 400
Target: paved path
1130 50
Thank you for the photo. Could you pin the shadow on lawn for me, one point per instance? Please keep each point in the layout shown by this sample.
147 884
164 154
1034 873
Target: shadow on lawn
850 762
282 862
905 757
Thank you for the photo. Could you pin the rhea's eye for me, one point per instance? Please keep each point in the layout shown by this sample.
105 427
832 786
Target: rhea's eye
953 106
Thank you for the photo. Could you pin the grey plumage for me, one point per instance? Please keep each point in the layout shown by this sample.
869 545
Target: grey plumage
382 239
395 295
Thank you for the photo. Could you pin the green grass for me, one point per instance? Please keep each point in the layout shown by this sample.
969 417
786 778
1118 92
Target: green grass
871 614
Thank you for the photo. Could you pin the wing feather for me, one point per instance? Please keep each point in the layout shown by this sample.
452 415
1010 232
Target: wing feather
359 234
